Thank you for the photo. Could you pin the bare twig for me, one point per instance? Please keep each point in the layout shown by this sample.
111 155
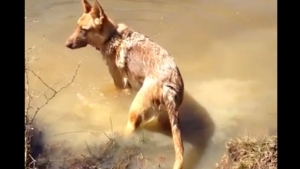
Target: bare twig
55 92
33 161
87 146
27 90
72 132
43 93
42 79
27 119
28 61
33 57
111 125
107 136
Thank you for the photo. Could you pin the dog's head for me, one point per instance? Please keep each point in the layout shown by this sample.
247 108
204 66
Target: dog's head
89 27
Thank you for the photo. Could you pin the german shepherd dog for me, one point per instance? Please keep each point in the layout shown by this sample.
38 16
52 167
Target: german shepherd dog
135 62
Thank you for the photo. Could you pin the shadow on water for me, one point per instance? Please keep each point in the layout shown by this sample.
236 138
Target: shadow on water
197 127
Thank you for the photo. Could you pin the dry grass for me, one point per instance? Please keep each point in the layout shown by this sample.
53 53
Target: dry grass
250 153
108 155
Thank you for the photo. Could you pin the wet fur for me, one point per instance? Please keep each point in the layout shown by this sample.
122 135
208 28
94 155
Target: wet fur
135 62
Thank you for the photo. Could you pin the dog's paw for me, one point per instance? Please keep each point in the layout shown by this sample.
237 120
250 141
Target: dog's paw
129 129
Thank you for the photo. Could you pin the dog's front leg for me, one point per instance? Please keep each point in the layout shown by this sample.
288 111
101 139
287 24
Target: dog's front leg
116 75
120 82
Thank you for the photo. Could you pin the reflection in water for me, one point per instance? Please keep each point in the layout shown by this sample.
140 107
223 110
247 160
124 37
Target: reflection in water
227 53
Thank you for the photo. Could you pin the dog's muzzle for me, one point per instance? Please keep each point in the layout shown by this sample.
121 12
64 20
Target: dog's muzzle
77 40
75 44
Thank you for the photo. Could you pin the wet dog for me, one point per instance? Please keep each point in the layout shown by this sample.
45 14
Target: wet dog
135 62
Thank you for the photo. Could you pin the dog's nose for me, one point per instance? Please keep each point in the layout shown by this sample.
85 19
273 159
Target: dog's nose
69 44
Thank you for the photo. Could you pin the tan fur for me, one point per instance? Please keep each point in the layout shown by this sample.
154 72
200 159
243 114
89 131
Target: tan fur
135 62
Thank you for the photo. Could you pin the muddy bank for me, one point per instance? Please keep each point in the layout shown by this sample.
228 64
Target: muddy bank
109 154
250 153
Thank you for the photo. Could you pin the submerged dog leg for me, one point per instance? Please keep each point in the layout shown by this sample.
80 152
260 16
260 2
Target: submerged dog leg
116 75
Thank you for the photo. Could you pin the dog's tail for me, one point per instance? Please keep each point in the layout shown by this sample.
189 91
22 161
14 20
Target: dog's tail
173 99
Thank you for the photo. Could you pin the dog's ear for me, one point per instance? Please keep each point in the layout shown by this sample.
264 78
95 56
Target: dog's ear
86 6
97 10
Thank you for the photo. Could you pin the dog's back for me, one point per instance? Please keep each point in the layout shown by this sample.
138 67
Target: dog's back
140 57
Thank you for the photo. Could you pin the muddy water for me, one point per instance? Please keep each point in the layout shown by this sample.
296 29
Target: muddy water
226 50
